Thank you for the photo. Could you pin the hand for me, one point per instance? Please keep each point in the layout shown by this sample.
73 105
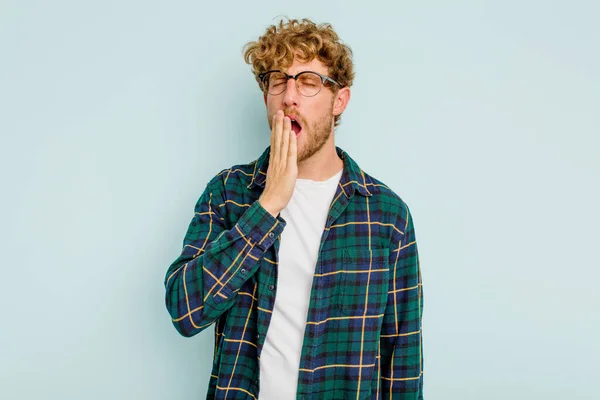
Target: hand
283 167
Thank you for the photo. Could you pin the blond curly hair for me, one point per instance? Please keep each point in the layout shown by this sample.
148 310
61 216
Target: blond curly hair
279 44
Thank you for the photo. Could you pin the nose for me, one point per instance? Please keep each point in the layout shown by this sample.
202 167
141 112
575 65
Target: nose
290 96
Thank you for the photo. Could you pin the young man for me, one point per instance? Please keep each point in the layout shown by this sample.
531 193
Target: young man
307 264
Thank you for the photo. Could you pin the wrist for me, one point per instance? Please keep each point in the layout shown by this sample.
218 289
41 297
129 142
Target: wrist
267 206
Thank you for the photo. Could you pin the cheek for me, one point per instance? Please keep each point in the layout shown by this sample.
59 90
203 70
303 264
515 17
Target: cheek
323 108
273 101
272 108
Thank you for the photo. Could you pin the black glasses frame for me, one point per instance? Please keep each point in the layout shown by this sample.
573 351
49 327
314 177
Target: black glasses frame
324 79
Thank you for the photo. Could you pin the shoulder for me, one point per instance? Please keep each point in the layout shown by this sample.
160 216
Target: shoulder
236 178
383 193
388 202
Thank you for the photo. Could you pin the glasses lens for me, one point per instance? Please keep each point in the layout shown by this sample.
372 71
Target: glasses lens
275 82
309 84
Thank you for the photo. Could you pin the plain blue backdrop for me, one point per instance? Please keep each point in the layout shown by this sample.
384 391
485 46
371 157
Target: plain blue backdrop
482 115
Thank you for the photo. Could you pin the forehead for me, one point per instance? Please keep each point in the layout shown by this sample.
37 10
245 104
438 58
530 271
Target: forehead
299 66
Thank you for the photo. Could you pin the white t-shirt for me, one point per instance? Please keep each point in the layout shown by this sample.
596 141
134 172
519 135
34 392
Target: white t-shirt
305 217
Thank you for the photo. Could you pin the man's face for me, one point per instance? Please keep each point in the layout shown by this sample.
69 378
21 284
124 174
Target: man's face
314 115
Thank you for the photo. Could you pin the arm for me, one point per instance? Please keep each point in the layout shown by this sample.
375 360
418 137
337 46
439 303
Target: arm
202 283
401 341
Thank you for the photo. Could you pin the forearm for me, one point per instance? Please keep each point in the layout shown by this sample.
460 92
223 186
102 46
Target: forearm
401 339
203 282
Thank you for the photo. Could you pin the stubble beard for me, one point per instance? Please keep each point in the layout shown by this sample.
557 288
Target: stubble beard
315 137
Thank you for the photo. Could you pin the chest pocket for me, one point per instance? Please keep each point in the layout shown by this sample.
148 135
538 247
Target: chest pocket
364 281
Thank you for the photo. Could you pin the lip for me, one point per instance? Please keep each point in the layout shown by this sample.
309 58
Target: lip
295 118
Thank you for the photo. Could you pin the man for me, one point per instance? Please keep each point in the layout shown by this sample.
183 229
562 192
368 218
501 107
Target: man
307 264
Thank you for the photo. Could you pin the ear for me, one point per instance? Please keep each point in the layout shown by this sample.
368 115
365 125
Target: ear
265 97
340 102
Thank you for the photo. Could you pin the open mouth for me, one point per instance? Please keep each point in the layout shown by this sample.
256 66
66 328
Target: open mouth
296 127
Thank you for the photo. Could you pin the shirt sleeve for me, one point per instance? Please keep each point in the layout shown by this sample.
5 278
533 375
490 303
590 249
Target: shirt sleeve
202 283
401 345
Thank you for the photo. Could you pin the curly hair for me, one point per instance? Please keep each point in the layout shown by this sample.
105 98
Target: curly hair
303 39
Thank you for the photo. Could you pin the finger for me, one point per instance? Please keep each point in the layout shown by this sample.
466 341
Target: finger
285 135
277 133
293 148
272 139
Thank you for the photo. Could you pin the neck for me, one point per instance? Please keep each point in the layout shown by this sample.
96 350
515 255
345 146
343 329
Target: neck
322 165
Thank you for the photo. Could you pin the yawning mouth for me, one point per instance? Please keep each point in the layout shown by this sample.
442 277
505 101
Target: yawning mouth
296 127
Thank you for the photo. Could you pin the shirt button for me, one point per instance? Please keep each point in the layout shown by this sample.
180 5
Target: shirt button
243 270
271 287
271 235
257 336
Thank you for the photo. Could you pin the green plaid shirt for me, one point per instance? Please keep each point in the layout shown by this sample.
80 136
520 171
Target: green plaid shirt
363 333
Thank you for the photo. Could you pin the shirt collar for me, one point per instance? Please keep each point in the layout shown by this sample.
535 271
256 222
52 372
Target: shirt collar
352 179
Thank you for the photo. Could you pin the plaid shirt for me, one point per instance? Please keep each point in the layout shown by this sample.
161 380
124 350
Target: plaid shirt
363 333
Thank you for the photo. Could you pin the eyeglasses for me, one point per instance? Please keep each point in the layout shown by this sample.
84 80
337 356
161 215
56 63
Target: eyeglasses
308 83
